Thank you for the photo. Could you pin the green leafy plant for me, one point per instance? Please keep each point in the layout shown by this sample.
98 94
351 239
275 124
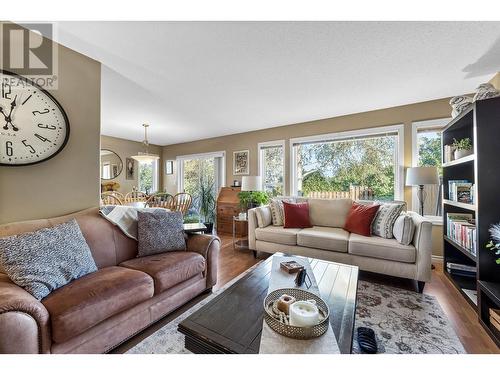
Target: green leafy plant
206 201
464 144
252 198
494 243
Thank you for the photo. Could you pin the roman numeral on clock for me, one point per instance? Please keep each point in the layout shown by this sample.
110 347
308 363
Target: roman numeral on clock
42 138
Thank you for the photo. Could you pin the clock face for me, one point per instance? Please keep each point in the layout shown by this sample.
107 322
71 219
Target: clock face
33 125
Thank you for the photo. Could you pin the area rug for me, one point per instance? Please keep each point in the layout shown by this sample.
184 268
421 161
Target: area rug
405 322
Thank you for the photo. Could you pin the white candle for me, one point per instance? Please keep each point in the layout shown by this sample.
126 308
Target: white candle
303 314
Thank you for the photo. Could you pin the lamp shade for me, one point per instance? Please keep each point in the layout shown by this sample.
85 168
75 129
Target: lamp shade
422 176
251 183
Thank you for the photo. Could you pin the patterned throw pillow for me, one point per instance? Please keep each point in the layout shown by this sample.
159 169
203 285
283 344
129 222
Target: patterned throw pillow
404 228
277 211
384 220
159 231
47 259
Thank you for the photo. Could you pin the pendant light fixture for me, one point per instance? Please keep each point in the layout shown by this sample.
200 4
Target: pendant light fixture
145 157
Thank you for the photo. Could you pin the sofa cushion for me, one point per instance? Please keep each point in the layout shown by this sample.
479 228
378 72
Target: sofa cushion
264 216
285 236
404 229
296 215
46 259
86 302
385 218
383 248
159 231
168 269
277 210
329 212
334 239
360 218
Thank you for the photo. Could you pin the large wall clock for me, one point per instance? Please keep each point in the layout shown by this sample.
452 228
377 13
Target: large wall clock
33 125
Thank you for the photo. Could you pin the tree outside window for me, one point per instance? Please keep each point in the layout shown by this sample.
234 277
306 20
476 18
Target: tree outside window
272 158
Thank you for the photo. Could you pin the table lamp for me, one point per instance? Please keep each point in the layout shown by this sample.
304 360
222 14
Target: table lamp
420 176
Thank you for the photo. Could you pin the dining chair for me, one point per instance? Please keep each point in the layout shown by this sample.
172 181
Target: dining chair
182 202
163 200
111 198
135 196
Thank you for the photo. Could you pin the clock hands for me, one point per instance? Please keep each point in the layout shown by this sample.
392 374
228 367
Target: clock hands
8 118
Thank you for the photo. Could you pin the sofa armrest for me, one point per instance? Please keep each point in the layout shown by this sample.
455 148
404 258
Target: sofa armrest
422 240
252 225
24 321
209 247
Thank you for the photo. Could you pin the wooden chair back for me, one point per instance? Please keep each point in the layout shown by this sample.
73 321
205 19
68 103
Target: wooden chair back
163 200
135 196
111 198
182 202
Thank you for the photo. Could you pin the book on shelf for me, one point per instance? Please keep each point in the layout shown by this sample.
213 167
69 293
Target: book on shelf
458 266
495 314
461 228
461 191
448 153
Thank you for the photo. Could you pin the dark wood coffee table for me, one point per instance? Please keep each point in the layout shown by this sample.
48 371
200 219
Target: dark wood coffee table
232 321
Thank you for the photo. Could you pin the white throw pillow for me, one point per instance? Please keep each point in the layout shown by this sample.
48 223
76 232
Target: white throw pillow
403 230
264 216
277 210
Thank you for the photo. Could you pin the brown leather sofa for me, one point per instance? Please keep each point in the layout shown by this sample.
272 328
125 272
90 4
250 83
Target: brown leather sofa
99 311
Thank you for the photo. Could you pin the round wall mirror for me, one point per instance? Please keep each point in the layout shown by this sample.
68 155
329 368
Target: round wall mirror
111 164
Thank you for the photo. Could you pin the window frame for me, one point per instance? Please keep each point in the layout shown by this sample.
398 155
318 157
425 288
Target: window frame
155 174
338 136
206 155
261 146
417 126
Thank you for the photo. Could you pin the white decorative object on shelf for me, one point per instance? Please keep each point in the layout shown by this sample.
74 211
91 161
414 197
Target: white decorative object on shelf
486 91
459 104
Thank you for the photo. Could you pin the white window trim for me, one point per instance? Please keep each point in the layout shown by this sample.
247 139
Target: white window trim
398 173
415 127
260 146
205 155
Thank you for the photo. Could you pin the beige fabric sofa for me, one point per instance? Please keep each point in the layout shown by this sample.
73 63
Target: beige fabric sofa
327 240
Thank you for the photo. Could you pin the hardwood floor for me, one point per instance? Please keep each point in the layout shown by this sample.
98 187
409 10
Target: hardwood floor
462 316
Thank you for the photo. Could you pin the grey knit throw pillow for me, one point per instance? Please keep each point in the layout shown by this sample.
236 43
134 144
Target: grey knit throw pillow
160 231
47 259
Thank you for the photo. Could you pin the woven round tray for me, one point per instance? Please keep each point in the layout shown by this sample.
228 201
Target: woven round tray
301 333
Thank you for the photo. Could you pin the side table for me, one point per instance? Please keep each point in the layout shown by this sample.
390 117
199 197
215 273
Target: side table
241 242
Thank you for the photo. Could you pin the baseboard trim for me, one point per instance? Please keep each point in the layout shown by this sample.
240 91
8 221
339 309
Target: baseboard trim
437 258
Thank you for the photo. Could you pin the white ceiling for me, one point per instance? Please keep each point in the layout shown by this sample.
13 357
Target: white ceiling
194 80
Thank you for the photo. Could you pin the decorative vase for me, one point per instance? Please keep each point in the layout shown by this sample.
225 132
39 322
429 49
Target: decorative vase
462 153
459 104
210 228
486 91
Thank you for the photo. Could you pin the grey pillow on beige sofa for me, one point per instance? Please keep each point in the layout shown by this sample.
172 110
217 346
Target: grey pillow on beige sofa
159 231
403 230
47 259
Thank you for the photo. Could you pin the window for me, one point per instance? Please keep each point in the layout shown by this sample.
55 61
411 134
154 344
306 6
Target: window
365 164
148 177
427 152
201 176
272 167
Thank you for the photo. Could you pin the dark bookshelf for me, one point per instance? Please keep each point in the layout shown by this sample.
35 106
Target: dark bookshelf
481 124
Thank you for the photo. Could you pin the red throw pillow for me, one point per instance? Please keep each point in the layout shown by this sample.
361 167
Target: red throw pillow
360 217
296 215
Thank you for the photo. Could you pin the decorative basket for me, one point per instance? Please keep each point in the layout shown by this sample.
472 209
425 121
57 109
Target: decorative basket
301 333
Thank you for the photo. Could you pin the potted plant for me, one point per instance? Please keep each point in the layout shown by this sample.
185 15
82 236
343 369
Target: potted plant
494 243
462 147
251 199
206 204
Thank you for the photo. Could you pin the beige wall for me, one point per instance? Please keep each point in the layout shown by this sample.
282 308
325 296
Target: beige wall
495 81
70 181
125 149
390 116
